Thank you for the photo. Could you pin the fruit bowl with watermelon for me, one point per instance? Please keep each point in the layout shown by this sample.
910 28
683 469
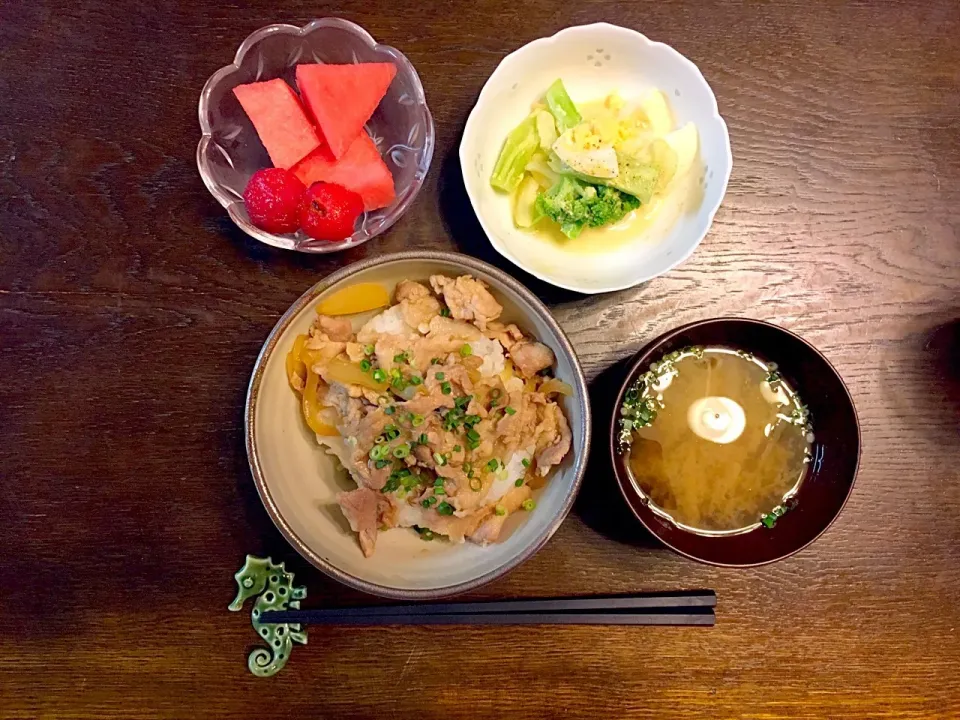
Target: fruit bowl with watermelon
315 139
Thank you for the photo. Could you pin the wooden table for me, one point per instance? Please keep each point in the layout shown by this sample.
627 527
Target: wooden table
132 311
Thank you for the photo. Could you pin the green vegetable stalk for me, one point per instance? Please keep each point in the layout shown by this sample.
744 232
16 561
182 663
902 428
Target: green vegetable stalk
518 149
561 106
574 205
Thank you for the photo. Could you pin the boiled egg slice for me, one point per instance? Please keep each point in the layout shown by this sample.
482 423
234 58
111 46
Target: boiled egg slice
583 154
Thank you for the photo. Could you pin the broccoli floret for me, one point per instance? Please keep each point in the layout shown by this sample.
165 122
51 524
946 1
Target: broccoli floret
574 204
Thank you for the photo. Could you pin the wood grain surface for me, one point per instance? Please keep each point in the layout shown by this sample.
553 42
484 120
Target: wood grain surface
131 312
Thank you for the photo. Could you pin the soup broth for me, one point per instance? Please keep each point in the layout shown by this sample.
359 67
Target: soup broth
717 440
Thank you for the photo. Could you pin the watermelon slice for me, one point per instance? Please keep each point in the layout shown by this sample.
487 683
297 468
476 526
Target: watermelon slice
283 126
342 98
361 169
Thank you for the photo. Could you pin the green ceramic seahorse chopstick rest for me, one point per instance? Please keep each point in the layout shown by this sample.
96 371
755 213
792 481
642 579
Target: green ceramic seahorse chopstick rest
274 588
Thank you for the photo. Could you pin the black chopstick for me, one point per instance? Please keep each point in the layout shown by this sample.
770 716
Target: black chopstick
704 617
681 608
706 599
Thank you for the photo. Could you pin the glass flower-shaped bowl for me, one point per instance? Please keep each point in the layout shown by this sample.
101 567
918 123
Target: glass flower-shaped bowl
230 151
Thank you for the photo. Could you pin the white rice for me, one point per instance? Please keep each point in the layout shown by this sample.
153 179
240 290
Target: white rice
341 449
514 384
389 322
508 476
408 515
492 353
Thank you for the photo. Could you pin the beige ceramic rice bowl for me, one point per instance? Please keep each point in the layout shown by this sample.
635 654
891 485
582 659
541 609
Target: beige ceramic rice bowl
298 480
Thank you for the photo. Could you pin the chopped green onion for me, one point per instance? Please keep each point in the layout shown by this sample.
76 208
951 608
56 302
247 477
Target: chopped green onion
439 491
416 420
493 404
381 464
390 410
457 448
439 376
400 358
432 500
509 410
439 459
445 508
495 393
451 416
424 533
492 465
365 365
380 439
445 388
500 510
423 439
475 484
473 435
379 376
401 451
377 452
435 361
445 312
415 380
466 351
471 420
368 349
526 462
402 476
452 419
518 482
528 504
462 402
438 482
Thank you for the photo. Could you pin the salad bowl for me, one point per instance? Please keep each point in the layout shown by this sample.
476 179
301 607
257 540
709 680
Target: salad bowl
594 61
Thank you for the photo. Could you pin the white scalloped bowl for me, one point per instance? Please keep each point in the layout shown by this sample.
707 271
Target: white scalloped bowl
593 61
230 151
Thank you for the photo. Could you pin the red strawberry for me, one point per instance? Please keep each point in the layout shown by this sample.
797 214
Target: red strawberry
330 212
273 198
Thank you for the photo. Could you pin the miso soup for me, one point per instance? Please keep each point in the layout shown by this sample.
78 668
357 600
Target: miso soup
717 440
